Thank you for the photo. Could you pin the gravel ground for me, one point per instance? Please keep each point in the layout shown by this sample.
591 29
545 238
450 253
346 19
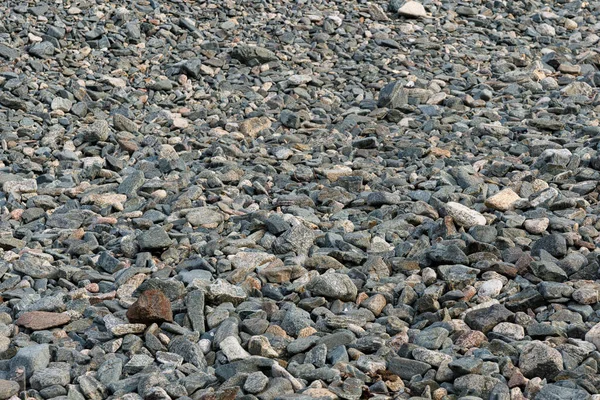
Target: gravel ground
308 199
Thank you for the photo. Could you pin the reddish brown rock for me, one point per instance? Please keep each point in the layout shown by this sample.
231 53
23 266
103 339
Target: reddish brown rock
40 320
152 306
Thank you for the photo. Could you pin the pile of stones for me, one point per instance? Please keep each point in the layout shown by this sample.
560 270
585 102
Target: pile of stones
311 199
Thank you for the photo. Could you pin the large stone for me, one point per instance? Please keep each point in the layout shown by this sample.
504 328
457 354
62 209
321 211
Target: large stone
39 320
156 238
333 285
412 9
556 392
222 291
253 54
253 126
51 376
31 359
503 200
152 306
406 368
555 244
485 319
463 215
232 349
8 389
205 217
392 95
458 276
593 336
539 359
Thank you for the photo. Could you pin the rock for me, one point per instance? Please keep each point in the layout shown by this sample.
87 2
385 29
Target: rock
555 244
97 132
253 54
154 239
392 95
47 377
485 319
536 225
406 368
253 126
539 359
232 349
412 9
39 320
503 200
593 336
205 217
222 291
31 359
464 216
556 392
8 389
152 306
333 285
256 382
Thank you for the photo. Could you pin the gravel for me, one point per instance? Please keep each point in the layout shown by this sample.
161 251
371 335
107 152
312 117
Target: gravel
381 199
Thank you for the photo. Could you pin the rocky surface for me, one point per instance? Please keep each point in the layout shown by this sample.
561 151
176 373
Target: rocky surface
294 200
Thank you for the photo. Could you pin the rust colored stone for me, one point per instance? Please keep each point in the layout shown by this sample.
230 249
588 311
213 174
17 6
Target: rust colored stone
152 306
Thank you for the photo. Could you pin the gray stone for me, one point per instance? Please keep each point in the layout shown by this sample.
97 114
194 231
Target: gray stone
46 377
333 285
485 319
406 368
154 239
539 359
31 359
256 382
554 244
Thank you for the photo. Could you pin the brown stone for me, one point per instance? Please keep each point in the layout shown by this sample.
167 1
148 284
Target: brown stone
40 320
470 339
252 126
152 306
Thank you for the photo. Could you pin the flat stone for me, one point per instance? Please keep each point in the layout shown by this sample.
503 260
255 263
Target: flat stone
464 216
39 320
503 200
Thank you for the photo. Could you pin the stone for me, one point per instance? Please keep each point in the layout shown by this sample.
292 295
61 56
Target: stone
47 377
151 307
253 126
256 382
539 359
555 244
503 200
155 238
412 9
39 320
593 336
536 225
333 285
31 358
222 291
485 319
8 389
406 368
464 216
232 349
